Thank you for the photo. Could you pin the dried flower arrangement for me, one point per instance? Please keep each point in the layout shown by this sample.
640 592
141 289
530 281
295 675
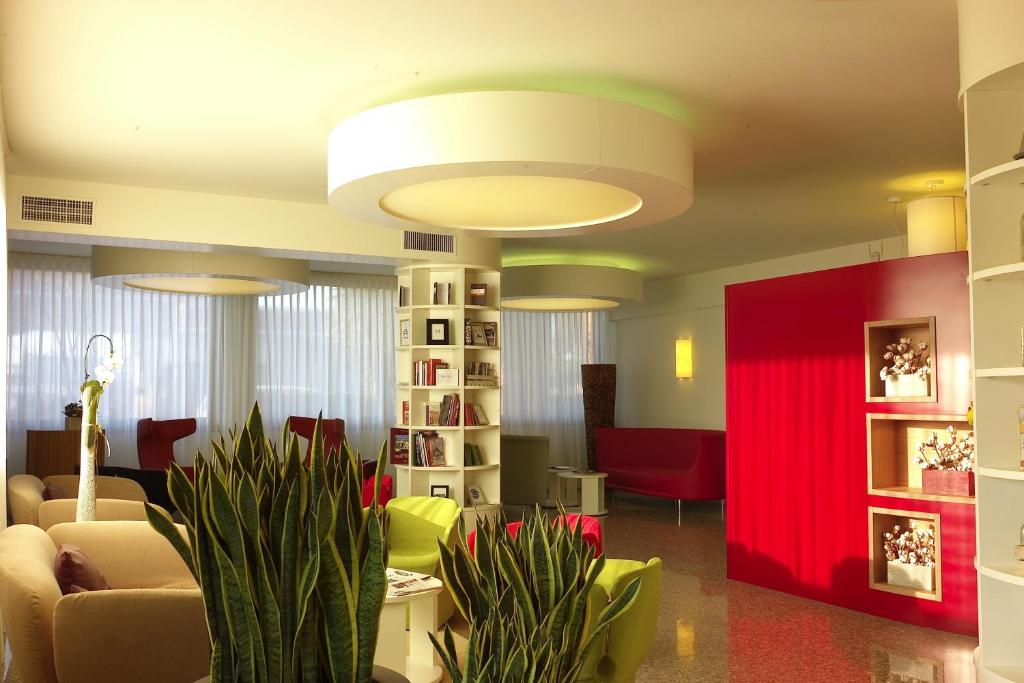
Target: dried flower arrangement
906 358
73 409
956 455
914 546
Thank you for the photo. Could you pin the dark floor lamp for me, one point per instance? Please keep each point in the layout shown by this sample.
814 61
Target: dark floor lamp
598 404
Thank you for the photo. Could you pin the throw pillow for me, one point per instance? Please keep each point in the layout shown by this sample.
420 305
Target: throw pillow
76 573
53 492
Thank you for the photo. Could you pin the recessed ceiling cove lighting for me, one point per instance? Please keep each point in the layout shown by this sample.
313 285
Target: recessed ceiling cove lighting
568 288
511 164
210 274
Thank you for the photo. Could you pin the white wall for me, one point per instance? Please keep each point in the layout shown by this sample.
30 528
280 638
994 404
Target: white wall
693 306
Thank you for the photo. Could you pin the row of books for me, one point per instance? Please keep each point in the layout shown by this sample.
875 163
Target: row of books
434 372
429 450
404 294
480 374
472 456
443 414
475 415
481 333
442 294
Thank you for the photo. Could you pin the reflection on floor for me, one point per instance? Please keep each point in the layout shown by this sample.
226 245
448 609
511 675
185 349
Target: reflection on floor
712 629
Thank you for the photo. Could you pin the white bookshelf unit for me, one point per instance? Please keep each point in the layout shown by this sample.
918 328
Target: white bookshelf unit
459 354
994 116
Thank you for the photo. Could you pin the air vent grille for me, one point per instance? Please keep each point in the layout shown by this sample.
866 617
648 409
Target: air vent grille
428 241
56 210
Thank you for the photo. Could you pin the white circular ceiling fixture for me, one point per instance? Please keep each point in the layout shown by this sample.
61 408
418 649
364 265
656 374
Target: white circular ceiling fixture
511 164
568 287
205 273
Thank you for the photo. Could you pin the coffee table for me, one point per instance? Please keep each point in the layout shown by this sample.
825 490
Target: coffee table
591 491
410 652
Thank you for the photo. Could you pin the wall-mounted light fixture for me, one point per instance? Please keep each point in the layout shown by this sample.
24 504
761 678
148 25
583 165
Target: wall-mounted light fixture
684 359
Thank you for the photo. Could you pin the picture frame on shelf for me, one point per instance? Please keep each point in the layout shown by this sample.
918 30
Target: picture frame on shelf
440 491
437 332
491 333
478 294
476 494
404 335
399 446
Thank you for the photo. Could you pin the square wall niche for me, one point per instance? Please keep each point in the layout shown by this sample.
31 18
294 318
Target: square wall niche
880 333
893 439
883 519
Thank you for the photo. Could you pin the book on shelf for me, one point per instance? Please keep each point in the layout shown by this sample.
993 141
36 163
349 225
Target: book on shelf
432 414
448 377
429 451
480 374
478 336
442 294
443 414
475 416
403 296
472 456
478 295
425 371
405 412
491 334
403 335
399 446
468 332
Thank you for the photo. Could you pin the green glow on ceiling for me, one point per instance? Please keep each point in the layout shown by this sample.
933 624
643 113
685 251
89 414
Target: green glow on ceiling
577 258
621 89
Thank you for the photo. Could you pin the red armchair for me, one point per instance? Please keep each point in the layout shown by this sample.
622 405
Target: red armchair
155 442
387 490
334 432
678 464
592 534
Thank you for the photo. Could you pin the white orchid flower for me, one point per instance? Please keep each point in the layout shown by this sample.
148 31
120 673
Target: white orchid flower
103 374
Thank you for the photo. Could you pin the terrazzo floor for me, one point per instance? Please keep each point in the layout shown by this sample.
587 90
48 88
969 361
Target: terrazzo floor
714 629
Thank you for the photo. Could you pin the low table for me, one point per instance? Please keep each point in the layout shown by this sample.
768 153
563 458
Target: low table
410 652
591 491
561 490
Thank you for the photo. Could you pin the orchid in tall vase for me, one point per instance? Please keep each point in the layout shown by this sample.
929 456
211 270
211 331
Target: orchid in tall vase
92 390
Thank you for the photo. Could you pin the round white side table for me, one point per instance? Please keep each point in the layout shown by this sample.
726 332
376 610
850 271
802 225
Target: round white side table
591 491
410 653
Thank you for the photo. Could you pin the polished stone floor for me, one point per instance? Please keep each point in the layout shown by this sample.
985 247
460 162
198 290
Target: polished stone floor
713 629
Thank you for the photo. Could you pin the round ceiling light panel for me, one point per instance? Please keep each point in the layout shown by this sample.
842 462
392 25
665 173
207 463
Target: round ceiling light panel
204 273
568 288
511 164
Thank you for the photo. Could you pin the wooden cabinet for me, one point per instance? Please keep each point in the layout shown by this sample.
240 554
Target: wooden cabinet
55 452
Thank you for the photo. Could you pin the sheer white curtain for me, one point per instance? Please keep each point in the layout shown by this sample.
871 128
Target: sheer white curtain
542 392
330 349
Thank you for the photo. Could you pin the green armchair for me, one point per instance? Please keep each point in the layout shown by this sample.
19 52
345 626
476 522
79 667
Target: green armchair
631 636
416 523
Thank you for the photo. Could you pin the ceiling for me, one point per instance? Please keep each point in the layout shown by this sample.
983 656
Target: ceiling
804 113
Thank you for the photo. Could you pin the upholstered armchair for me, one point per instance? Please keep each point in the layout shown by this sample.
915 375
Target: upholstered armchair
334 432
155 441
61 510
150 626
630 637
25 495
416 524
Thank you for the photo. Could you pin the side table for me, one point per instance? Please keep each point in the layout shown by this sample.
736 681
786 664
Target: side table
591 491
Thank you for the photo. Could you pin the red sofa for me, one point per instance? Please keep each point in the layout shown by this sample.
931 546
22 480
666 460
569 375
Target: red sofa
679 464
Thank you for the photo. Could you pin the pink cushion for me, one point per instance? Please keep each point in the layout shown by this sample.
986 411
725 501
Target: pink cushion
76 573
592 534
387 490
54 492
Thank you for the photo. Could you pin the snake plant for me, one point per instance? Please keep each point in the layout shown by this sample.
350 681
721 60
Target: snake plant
292 569
532 617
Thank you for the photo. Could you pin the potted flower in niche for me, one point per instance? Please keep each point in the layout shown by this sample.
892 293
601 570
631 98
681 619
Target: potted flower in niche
92 390
907 369
947 468
910 556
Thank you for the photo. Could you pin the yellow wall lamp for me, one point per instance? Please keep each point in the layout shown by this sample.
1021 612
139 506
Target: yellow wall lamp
684 359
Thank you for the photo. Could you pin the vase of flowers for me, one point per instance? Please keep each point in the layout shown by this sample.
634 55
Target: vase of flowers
910 556
947 467
907 370
92 390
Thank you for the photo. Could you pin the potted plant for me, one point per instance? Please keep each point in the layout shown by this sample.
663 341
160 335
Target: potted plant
947 467
528 603
907 369
73 416
92 389
910 556
291 567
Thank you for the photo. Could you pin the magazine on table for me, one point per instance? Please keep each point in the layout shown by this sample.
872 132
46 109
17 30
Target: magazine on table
402 583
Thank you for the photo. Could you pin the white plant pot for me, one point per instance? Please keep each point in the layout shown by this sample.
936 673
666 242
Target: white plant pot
906 386
916 576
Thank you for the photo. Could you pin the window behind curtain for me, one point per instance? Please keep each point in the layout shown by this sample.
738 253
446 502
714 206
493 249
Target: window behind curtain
204 357
542 391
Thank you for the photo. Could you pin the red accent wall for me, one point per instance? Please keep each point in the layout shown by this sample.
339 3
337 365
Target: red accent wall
796 439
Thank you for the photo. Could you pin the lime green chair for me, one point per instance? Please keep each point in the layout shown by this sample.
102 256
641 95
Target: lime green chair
631 637
416 523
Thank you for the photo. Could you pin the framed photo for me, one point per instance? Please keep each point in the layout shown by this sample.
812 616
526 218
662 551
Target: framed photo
479 336
491 333
403 332
476 494
478 295
399 446
440 491
437 331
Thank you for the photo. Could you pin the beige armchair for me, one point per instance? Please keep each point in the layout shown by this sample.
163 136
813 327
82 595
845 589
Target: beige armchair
25 493
63 510
151 625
